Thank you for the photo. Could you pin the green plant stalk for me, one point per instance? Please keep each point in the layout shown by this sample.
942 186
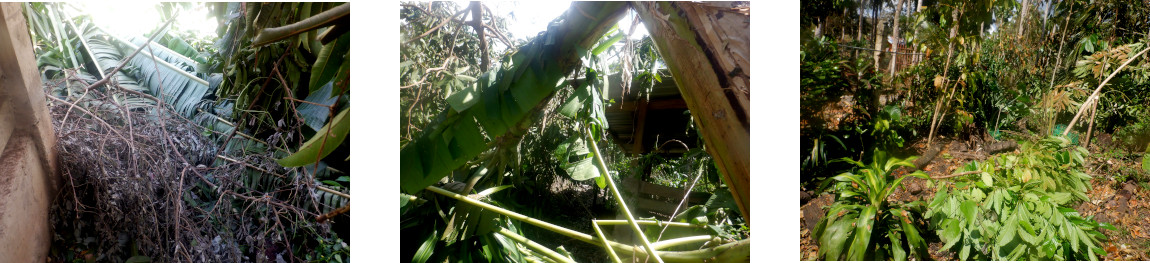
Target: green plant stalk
539 223
610 222
731 251
83 41
534 246
610 250
619 197
681 241
56 26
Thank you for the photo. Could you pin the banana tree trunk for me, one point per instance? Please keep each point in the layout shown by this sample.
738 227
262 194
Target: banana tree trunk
707 48
501 102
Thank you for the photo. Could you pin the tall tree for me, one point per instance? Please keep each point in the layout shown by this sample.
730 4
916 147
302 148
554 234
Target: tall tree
875 6
1022 18
894 32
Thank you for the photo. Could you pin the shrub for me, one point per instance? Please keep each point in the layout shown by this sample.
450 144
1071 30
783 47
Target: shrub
862 224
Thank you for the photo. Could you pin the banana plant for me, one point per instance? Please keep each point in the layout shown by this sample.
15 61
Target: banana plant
501 99
862 224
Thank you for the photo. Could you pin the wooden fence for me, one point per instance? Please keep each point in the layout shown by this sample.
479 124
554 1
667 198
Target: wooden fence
650 199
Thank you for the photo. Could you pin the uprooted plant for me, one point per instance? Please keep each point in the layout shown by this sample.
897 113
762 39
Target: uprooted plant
1017 207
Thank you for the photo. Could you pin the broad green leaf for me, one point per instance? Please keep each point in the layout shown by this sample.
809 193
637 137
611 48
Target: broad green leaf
583 170
575 102
964 253
463 99
1146 163
601 181
330 58
968 212
318 147
862 234
1008 232
314 115
426 248
952 234
898 254
603 46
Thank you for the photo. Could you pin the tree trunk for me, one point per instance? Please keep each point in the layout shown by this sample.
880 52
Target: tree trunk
858 37
428 158
1061 43
477 24
1046 14
1022 18
934 119
707 48
894 46
877 51
875 5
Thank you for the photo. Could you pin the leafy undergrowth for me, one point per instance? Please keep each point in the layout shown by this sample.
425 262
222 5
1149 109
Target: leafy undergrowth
1116 192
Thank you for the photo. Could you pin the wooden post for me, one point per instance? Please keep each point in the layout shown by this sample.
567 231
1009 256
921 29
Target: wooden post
640 126
28 173
707 48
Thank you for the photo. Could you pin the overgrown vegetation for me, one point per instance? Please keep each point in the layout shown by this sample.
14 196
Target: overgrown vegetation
1020 109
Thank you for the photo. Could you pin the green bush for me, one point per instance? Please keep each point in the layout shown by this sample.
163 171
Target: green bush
862 224
1135 137
1018 207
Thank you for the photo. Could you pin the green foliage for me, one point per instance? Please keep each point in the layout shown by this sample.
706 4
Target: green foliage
1135 136
331 249
862 224
583 168
1018 207
323 143
885 128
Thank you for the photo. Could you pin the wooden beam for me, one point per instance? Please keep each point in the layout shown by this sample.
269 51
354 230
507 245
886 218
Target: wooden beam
21 83
707 48
640 124
663 104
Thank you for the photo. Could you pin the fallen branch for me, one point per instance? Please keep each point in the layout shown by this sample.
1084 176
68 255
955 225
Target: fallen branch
97 118
956 175
333 213
1094 96
325 189
249 166
326 18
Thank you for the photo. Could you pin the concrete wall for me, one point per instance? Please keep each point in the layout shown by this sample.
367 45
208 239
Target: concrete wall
28 175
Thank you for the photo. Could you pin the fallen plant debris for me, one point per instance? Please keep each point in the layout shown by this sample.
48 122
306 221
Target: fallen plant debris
140 181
